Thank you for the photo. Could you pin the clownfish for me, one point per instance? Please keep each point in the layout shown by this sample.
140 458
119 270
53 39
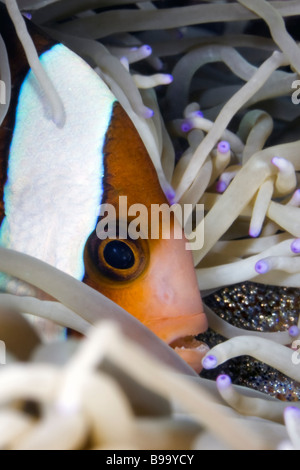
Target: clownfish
53 182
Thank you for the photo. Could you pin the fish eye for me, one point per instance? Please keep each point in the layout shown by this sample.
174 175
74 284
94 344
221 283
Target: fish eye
118 254
115 259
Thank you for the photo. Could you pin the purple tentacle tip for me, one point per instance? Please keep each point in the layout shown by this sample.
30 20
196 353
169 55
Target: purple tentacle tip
27 15
292 411
209 362
148 113
171 195
199 114
276 161
223 146
262 267
186 126
223 381
295 200
147 49
295 246
221 186
280 163
294 331
254 233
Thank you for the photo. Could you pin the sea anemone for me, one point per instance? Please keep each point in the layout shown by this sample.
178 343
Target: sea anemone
212 89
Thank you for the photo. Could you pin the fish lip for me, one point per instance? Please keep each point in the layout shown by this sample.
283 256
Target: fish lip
187 342
180 332
192 352
171 329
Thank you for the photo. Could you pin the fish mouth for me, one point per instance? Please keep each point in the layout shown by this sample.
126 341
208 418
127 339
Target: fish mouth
180 334
191 351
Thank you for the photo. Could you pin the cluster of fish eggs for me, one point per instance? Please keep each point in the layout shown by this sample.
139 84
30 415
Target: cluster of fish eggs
255 307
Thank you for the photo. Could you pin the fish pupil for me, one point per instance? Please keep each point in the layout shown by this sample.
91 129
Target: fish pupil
118 255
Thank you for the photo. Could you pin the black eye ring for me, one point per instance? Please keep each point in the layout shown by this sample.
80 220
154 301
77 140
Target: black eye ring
118 254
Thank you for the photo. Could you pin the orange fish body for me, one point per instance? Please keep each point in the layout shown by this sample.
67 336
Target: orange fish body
151 278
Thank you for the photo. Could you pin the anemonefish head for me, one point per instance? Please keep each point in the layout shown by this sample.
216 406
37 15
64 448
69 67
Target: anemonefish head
57 180
153 279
